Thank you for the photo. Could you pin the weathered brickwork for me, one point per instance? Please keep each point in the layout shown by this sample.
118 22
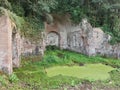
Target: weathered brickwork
5 45
83 38
12 46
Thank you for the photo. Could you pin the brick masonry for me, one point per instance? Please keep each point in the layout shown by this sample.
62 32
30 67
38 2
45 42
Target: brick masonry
83 38
5 45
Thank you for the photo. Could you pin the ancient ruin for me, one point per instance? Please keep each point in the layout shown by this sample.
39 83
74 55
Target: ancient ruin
5 45
82 38
13 46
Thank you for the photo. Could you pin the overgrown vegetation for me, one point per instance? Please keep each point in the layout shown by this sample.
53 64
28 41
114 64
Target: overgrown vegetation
27 16
100 13
16 19
33 75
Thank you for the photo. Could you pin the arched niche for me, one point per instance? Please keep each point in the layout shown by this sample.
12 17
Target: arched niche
53 38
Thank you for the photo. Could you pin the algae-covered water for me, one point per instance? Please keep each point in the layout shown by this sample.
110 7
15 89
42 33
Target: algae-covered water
88 71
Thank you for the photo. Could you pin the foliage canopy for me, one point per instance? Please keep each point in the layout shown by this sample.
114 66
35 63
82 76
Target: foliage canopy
100 13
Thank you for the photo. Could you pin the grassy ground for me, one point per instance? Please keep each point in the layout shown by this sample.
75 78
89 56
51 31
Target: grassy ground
32 74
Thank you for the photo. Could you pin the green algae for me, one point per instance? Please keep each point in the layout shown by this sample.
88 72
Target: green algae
88 71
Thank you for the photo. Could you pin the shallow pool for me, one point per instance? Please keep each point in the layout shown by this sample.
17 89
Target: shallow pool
88 71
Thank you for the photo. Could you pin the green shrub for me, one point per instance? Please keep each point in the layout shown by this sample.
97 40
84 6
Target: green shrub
115 76
2 80
13 78
16 19
52 47
116 29
17 9
5 4
2 12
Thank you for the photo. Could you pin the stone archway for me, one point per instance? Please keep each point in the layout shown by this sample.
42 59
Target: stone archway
53 38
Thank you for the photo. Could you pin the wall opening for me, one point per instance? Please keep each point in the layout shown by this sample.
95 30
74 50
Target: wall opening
53 38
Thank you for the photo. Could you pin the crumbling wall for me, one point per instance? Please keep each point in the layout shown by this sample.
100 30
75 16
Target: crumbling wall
83 38
31 48
80 38
13 45
16 48
5 45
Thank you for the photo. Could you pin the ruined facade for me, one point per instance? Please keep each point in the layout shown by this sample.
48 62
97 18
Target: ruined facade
13 46
82 38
